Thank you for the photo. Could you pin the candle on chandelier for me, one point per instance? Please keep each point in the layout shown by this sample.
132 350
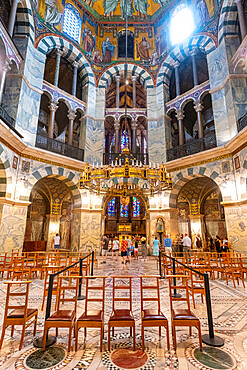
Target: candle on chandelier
97 166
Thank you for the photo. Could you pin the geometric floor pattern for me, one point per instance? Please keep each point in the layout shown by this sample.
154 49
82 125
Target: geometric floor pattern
229 306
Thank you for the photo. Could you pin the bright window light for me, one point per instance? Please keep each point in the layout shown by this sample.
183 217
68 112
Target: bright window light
182 25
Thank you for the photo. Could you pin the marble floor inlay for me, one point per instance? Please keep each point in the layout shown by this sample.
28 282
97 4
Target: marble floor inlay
229 306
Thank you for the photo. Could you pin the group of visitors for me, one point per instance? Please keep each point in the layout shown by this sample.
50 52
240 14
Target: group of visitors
127 247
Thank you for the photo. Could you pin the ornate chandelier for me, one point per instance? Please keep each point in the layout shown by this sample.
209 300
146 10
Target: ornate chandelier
114 179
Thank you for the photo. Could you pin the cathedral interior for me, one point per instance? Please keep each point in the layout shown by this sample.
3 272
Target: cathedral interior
123 120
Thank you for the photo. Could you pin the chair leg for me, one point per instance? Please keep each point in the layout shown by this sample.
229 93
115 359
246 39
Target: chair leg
143 339
22 337
134 337
200 336
12 330
35 325
160 331
85 333
2 336
76 336
174 337
44 338
109 337
101 337
56 332
70 336
131 331
167 336
190 331
193 299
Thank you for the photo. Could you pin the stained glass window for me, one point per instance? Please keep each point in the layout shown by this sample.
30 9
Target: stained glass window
136 207
111 207
124 140
72 22
123 210
112 145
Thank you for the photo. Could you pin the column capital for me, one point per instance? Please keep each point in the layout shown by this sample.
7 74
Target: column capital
72 114
193 52
180 114
75 64
198 106
118 78
59 52
134 78
134 124
53 106
116 124
176 64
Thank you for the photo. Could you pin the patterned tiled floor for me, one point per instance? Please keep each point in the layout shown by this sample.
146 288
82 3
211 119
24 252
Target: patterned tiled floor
229 307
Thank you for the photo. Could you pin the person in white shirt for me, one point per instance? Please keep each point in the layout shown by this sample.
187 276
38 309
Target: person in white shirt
56 240
115 248
186 246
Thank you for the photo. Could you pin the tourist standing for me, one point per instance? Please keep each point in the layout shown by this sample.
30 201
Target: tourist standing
156 247
105 243
218 244
225 245
136 250
186 246
128 249
144 248
56 241
198 241
123 248
115 248
168 244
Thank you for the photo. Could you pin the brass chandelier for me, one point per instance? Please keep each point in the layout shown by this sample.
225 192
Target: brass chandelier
113 179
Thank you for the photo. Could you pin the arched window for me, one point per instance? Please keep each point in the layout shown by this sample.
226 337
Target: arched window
182 24
123 210
111 207
112 145
124 141
136 207
72 22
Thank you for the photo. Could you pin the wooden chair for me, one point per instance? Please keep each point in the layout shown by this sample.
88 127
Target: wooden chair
20 314
184 316
92 318
64 318
18 269
121 317
39 265
196 286
50 270
152 317
234 271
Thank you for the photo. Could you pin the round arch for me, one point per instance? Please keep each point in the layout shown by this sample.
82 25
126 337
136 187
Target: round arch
179 53
106 78
71 53
70 179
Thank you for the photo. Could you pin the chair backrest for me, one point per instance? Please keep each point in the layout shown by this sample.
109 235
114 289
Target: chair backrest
68 284
12 293
93 290
183 287
149 289
126 285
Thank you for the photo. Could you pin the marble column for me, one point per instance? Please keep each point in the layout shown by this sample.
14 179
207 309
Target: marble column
198 108
134 128
5 69
194 67
176 65
71 117
116 129
75 65
180 117
197 227
59 54
117 90
12 17
241 18
52 228
53 107
134 91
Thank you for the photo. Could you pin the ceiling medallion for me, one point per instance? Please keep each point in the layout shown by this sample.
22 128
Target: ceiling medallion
112 179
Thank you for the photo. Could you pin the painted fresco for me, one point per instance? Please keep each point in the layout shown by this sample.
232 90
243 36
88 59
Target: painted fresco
100 23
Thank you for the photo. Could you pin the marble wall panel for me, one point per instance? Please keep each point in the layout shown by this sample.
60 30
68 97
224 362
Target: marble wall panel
236 223
90 231
12 228
94 146
156 141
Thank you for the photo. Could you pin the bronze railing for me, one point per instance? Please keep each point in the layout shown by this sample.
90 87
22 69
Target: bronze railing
140 157
58 147
192 147
242 122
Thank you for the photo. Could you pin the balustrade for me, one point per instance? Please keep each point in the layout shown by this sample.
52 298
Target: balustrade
140 157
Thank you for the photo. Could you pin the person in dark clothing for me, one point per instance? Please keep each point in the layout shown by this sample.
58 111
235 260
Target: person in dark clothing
218 244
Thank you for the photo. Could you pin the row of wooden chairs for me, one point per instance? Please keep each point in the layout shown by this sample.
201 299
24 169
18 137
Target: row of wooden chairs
225 265
94 318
